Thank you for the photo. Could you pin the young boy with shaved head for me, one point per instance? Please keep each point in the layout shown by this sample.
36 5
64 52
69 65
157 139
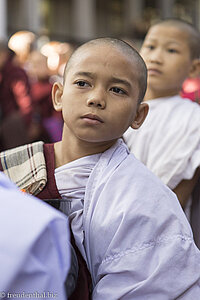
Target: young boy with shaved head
128 226
169 141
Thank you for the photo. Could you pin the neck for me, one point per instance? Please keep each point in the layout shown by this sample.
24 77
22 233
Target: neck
152 94
70 149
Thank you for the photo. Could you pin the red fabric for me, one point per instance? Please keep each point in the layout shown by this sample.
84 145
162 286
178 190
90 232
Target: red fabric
44 113
50 191
15 106
82 291
191 89
193 96
15 91
42 101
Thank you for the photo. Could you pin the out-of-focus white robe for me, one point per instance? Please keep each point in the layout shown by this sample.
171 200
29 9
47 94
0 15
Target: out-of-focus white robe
137 241
168 142
34 246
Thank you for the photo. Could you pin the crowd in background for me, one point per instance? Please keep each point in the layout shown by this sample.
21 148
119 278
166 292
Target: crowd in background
28 68
29 65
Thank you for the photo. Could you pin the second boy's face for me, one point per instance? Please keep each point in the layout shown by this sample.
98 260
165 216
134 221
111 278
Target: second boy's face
100 94
167 55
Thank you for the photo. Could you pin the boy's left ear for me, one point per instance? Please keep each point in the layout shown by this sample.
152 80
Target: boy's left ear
195 68
140 116
57 92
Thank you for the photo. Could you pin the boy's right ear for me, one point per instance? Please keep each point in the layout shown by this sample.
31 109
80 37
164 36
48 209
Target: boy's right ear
195 68
141 114
57 92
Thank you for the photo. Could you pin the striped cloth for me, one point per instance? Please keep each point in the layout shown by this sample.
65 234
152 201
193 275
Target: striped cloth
26 167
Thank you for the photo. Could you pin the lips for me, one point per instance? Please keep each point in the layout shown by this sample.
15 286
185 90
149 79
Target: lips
92 119
152 71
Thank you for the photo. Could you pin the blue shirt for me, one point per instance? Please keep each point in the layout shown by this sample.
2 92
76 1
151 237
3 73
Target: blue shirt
34 246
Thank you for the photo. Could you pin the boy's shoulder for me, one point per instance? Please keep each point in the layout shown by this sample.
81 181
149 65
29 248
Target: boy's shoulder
181 104
140 178
173 112
126 172
126 182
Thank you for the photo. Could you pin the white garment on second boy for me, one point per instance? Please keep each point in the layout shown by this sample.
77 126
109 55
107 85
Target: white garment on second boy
168 142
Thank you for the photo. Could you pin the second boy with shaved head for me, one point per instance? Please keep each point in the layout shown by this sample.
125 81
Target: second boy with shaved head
169 141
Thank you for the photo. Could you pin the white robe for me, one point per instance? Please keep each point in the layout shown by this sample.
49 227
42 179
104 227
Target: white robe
138 243
34 246
168 142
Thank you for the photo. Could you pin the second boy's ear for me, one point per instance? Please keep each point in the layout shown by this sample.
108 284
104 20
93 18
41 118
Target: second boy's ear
140 116
195 68
57 92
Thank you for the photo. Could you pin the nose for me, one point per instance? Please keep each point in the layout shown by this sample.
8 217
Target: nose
97 101
156 56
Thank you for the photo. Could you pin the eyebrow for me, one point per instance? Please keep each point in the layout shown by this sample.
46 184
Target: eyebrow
112 80
174 42
154 40
87 74
122 81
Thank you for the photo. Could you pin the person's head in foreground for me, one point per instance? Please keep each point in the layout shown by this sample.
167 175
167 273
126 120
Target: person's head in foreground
171 51
104 84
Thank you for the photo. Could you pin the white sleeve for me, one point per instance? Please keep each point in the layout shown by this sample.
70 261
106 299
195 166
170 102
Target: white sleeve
152 272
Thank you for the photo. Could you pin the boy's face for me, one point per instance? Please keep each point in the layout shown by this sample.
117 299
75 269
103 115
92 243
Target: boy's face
99 99
167 55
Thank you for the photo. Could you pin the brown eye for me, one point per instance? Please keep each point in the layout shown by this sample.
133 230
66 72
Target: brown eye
82 83
172 50
118 90
150 47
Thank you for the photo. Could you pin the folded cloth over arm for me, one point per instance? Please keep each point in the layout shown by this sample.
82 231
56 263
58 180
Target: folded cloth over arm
25 165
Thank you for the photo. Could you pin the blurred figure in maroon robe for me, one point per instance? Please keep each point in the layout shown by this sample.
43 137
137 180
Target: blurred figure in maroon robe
15 101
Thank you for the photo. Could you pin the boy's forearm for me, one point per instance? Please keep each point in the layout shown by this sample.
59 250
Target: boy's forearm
184 189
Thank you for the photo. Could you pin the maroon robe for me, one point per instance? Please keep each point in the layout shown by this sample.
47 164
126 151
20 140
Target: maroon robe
15 106
82 291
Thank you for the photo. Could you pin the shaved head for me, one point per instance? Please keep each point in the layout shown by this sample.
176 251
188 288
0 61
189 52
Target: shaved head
123 47
192 33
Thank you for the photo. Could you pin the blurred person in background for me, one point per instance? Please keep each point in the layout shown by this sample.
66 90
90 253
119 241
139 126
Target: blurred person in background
57 54
22 43
32 75
15 101
49 121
